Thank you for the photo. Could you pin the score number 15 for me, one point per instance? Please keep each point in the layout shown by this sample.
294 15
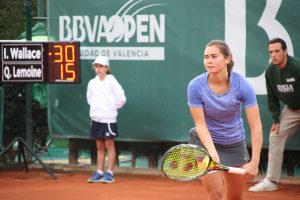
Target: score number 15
65 55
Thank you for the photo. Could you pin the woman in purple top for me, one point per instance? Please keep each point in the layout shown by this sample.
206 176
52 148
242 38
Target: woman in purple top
215 99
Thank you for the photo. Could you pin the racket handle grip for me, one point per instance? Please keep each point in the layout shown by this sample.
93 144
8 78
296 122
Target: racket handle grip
236 170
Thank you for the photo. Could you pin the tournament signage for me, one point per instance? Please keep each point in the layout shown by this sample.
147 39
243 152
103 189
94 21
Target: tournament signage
156 47
40 62
130 32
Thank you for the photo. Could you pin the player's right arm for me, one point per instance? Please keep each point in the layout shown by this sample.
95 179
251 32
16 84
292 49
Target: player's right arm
203 132
196 108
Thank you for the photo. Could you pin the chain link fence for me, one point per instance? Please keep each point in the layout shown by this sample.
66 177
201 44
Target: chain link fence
75 151
12 24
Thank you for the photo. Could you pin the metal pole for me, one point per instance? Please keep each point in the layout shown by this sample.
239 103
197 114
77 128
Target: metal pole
40 8
28 4
28 97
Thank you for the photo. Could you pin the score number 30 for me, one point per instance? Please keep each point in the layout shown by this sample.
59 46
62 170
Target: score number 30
65 55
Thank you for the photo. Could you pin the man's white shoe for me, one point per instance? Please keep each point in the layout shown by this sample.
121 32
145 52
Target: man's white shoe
264 185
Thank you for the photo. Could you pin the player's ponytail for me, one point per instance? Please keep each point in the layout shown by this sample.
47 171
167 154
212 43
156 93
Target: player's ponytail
225 50
230 66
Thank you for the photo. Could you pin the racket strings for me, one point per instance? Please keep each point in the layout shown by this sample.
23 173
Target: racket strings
185 163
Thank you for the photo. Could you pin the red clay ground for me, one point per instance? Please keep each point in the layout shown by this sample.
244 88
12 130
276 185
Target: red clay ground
38 185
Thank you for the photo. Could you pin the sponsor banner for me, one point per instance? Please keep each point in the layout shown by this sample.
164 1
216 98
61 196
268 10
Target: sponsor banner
127 25
156 48
123 53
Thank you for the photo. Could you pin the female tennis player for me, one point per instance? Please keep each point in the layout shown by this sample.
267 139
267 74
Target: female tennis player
105 96
215 100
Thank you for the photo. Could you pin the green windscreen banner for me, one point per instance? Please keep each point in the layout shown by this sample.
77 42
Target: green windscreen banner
155 48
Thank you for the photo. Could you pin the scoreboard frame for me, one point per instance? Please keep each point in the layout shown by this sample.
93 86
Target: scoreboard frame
40 62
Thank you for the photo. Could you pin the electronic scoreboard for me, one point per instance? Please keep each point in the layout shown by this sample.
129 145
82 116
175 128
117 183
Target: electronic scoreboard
39 62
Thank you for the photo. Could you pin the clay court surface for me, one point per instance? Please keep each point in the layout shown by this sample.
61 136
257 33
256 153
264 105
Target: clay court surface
18 185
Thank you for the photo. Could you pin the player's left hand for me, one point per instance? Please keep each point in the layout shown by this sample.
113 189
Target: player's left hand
251 170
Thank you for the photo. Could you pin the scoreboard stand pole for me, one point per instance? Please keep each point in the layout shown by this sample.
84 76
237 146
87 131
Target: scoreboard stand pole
21 153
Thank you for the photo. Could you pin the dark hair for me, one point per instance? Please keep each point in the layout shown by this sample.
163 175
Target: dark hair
278 40
225 50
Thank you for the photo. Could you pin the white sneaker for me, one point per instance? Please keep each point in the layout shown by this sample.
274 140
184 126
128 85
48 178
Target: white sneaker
264 185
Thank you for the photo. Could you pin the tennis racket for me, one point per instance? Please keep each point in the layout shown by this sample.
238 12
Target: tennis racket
186 162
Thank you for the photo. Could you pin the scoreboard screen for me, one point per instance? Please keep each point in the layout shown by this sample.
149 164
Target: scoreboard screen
40 62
